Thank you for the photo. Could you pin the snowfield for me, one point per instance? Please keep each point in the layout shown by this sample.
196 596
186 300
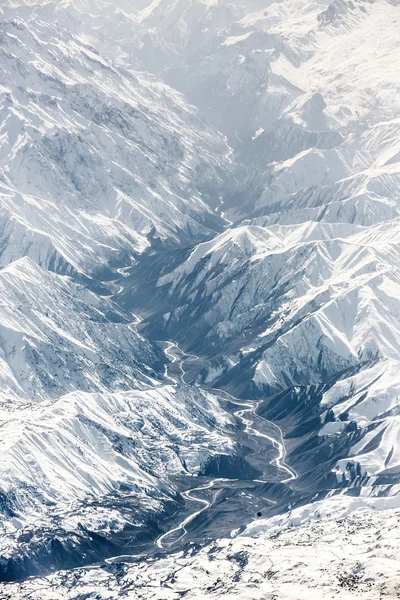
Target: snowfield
351 556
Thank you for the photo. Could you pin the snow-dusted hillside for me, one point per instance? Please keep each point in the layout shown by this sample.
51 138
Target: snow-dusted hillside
57 337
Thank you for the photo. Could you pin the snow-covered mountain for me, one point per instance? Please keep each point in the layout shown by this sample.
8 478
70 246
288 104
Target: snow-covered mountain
96 161
199 294
98 166
92 473
297 301
307 316
298 72
58 337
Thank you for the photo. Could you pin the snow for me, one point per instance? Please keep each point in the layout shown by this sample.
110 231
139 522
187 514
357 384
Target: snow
57 337
352 555
235 39
257 133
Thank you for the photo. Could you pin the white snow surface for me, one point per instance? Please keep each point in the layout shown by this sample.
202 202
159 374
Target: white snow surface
347 556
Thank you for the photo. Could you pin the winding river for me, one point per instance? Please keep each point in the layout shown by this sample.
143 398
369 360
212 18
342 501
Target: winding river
254 426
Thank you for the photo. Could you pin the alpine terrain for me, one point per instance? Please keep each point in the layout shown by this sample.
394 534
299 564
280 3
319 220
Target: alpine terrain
199 299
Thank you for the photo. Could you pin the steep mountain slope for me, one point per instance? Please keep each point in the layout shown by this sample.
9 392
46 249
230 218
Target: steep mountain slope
96 161
57 337
86 474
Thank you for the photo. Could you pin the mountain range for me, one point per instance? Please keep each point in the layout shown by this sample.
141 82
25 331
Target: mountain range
199 294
